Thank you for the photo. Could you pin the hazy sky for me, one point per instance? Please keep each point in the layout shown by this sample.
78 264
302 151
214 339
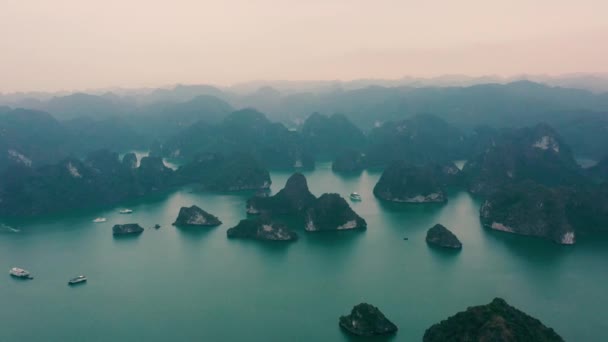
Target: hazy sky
77 44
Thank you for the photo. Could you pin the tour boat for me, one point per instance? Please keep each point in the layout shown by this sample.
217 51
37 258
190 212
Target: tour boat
77 280
126 211
20 273
99 220
355 196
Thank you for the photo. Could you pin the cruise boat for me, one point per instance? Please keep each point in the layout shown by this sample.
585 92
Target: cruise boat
99 220
355 196
126 211
20 273
78 280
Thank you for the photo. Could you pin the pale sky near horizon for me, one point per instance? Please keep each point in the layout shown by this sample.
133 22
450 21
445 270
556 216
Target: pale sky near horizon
78 44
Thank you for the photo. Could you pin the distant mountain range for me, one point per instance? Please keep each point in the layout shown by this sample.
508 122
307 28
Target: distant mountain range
130 119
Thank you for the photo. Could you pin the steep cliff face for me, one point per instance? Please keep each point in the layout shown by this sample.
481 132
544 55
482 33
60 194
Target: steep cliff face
529 209
244 131
332 212
293 199
261 229
328 212
403 182
367 320
216 172
195 216
349 161
497 321
537 154
420 139
440 236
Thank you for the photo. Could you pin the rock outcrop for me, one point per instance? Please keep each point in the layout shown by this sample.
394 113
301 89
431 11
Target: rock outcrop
328 212
402 182
244 131
440 236
127 229
529 209
216 172
497 322
420 139
293 199
129 160
102 179
537 154
367 320
349 162
195 216
332 212
329 136
261 229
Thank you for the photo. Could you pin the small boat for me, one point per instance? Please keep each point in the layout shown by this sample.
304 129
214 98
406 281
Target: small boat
78 280
156 226
99 220
355 197
20 273
125 211
405 238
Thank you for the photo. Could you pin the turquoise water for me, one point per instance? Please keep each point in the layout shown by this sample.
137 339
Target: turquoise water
184 285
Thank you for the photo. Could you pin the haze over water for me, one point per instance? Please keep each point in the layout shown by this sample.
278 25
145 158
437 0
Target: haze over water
183 285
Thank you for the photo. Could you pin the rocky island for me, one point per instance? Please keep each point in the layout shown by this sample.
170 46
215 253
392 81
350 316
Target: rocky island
530 209
216 172
497 322
195 216
244 131
402 182
293 199
261 229
332 212
350 161
328 212
534 153
102 179
440 236
367 320
127 229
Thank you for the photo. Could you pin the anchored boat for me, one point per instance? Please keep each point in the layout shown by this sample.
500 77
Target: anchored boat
20 273
355 197
78 280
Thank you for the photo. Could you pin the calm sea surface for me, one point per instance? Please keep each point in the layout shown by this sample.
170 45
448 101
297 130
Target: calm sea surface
183 285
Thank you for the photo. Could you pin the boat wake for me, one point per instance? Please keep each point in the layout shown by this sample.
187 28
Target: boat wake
8 229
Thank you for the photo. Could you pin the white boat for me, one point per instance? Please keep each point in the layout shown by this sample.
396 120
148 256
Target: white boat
77 280
20 273
99 220
355 196
126 211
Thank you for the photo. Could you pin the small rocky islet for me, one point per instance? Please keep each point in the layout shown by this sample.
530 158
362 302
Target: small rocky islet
367 320
496 321
440 236
127 229
195 217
